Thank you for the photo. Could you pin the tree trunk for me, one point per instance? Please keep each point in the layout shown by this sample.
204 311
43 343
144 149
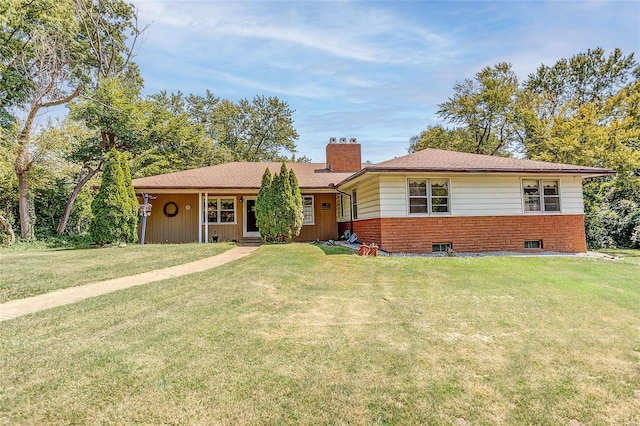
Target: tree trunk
67 208
22 167
9 229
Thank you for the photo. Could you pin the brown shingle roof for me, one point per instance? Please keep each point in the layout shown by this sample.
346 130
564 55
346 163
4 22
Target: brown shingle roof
437 160
239 175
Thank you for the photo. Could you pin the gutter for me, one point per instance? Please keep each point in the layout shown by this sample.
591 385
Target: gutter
590 172
333 186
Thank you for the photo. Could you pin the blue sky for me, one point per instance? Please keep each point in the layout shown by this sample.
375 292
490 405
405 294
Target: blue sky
373 70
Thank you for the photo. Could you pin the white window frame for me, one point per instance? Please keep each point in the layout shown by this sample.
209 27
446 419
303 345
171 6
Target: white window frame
541 196
313 211
354 203
218 199
429 196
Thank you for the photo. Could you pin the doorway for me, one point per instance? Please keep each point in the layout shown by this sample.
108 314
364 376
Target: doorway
250 228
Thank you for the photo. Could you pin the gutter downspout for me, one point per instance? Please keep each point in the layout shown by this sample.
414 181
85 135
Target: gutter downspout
350 208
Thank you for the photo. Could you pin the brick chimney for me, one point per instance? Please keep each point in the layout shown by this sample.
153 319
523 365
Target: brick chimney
343 156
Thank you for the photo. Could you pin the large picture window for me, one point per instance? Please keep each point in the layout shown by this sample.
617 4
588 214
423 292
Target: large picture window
541 195
307 210
221 210
428 196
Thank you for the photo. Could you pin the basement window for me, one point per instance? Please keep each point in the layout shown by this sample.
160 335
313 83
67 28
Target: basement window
441 247
533 244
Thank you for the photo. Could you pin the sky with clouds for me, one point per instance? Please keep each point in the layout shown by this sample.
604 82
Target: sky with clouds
373 70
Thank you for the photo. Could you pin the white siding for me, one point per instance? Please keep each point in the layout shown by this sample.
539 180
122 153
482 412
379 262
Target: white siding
393 196
571 195
368 199
471 195
486 195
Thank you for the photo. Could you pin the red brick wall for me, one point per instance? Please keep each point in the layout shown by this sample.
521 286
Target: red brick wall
344 157
561 233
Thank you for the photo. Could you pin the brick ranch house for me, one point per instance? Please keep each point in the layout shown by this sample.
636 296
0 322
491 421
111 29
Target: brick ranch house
419 203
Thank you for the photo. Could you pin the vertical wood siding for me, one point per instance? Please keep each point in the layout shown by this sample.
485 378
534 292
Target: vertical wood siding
182 228
326 226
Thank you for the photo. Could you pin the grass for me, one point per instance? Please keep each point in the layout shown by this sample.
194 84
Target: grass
31 272
290 335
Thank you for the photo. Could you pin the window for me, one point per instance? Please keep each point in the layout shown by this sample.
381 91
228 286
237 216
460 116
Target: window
533 244
354 204
551 195
536 199
428 196
439 196
440 247
221 210
307 210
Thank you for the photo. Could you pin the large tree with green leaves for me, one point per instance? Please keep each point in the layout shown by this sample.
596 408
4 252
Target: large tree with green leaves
584 110
486 108
109 32
115 206
175 136
41 66
257 130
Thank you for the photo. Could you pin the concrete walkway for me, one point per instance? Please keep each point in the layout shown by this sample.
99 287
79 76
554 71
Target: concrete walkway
16 308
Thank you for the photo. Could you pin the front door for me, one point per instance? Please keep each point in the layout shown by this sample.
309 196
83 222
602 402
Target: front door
250 227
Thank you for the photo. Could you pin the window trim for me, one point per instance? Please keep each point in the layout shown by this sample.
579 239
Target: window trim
531 242
354 203
218 199
541 196
429 196
446 246
313 210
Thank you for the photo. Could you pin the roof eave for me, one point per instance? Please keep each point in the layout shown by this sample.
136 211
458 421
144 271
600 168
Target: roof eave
583 172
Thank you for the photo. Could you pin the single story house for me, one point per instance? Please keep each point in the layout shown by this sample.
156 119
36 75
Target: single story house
424 202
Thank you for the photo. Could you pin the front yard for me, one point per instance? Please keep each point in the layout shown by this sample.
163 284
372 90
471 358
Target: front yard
292 335
31 272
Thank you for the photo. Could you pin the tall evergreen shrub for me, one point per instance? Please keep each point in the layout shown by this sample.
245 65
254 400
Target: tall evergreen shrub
279 206
265 211
114 215
296 212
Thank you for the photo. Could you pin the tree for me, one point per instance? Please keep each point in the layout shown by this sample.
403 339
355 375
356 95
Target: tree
265 209
486 107
439 137
41 68
279 206
115 217
108 35
175 140
296 211
257 130
584 110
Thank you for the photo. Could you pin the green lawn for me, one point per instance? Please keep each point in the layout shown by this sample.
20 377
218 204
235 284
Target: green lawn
294 335
32 272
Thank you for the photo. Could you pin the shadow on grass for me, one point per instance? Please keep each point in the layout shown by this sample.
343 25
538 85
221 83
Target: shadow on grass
331 250
621 252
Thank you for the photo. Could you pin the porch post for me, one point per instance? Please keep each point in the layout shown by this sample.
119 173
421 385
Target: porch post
199 217
206 217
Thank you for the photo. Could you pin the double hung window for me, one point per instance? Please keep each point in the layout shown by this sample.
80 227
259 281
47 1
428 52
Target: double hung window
307 210
221 210
428 196
541 195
